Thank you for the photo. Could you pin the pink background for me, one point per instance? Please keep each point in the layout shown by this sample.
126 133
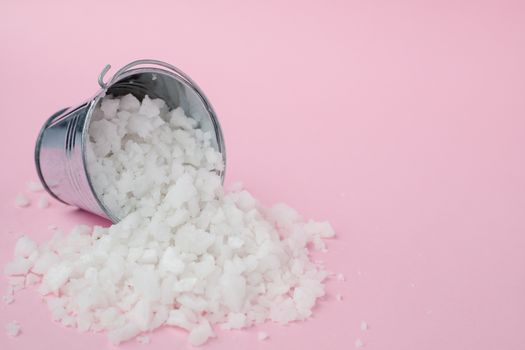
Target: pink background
403 123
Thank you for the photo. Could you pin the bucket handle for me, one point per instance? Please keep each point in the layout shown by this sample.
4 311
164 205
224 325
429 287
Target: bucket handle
149 62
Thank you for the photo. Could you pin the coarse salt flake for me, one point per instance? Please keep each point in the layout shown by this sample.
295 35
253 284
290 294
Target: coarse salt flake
43 202
34 186
12 329
262 335
8 299
143 339
21 201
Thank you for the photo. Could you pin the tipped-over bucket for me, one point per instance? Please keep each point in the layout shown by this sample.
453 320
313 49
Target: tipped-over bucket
60 152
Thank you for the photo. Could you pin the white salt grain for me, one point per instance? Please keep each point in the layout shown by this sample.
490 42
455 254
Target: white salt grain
43 202
21 201
262 335
25 247
12 329
236 186
358 343
8 299
19 266
143 339
17 282
32 279
200 334
34 186
364 326
123 333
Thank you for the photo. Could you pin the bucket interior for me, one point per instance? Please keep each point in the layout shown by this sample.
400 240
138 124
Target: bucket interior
157 83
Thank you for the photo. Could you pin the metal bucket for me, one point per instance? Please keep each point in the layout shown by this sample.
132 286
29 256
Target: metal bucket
60 151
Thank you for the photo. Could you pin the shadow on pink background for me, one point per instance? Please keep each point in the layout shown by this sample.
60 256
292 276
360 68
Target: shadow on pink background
403 123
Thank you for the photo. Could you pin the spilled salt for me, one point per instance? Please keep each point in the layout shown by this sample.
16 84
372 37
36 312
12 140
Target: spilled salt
12 329
43 202
262 335
21 201
34 186
187 253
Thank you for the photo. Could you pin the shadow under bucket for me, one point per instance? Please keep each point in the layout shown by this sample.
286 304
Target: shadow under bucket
60 151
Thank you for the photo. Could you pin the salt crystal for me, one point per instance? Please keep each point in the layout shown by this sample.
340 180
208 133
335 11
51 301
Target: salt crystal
109 107
143 339
25 246
32 279
129 103
21 201
236 186
17 282
43 202
200 334
19 266
34 186
123 333
8 299
262 335
12 329
236 320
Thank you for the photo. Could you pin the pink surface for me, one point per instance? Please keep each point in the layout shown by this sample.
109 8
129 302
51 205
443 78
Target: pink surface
403 123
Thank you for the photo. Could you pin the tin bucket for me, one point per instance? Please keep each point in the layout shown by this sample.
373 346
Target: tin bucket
60 151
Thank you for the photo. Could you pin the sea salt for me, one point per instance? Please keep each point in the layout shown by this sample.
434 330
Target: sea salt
262 335
143 339
34 186
21 201
43 203
12 329
186 253
8 299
